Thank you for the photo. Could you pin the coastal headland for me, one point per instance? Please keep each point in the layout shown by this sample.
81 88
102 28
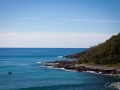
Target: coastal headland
103 58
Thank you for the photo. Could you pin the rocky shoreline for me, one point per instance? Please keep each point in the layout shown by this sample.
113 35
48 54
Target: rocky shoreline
99 69
73 65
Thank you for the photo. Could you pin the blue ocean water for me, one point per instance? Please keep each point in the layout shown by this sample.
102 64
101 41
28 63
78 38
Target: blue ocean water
28 74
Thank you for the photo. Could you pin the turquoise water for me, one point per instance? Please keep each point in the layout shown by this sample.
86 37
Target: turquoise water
28 74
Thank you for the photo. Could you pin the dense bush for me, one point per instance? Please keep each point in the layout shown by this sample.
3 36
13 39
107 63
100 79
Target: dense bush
104 53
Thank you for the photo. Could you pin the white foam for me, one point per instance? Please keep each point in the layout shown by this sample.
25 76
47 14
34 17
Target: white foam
115 85
65 69
70 70
38 62
60 56
24 64
47 66
91 71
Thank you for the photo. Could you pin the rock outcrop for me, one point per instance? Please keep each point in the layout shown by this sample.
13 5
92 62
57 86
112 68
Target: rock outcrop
73 65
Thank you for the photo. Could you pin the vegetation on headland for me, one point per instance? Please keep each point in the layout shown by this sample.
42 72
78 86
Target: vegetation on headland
107 53
103 58
98 59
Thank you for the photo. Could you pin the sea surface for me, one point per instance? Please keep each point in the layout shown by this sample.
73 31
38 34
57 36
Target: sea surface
29 74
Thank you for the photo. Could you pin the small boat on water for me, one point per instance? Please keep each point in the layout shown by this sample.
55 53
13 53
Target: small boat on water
9 73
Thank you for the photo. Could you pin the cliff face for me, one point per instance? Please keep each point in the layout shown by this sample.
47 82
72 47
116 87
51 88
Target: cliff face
104 53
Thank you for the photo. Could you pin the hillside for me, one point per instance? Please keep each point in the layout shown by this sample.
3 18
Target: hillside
104 53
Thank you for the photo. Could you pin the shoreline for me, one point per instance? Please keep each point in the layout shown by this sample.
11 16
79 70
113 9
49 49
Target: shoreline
73 65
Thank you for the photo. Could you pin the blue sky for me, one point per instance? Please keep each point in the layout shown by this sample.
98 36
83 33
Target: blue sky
58 23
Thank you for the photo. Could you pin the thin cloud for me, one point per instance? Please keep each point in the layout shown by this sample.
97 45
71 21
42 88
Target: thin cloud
87 20
27 23
55 23
107 21
32 18
48 39
82 20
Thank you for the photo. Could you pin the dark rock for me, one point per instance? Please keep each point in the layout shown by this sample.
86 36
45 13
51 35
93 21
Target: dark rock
9 73
73 65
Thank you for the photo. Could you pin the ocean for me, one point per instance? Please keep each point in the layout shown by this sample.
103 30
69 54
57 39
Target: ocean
29 74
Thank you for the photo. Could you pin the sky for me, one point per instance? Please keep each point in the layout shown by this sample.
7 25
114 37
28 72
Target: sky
58 23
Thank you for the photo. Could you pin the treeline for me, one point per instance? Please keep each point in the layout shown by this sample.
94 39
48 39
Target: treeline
104 53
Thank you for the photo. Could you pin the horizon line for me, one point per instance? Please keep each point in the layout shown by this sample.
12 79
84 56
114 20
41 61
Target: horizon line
44 47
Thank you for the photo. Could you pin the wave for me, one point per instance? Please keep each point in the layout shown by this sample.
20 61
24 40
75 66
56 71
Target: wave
24 64
60 56
38 62
65 69
51 67
90 71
